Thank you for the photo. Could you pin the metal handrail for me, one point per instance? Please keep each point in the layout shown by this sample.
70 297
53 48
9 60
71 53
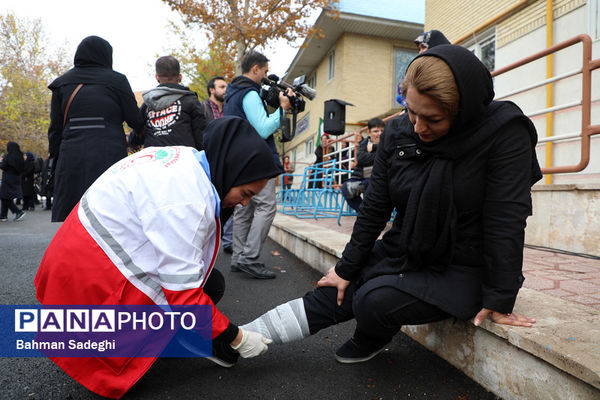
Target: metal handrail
541 83
587 130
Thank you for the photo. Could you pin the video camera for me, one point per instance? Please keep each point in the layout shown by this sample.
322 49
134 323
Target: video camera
271 88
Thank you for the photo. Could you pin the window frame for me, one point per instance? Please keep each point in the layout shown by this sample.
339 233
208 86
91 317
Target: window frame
331 65
475 45
309 147
312 80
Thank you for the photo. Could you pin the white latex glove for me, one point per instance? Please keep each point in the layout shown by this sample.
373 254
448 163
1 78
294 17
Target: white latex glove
253 344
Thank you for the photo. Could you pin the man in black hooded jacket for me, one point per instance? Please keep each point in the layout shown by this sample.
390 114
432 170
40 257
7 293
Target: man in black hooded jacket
172 112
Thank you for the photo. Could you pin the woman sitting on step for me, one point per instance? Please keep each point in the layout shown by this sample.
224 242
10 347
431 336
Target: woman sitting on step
458 167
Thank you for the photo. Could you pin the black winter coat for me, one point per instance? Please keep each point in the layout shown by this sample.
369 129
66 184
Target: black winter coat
11 182
461 201
12 166
363 158
93 138
27 179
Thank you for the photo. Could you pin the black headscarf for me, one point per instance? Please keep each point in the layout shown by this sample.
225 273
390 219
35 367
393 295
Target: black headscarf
14 156
93 51
93 65
432 39
236 154
428 227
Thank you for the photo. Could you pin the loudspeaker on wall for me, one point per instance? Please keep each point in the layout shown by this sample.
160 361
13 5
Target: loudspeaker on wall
334 120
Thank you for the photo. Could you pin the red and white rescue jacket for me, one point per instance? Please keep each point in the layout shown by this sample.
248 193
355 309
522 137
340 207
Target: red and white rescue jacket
146 232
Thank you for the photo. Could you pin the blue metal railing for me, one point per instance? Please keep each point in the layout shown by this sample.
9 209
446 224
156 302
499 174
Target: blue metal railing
318 195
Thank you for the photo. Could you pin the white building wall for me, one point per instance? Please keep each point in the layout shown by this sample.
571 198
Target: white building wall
566 91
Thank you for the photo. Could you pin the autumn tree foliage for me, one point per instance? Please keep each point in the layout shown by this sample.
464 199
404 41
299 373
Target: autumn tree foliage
234 27
25 72
200 64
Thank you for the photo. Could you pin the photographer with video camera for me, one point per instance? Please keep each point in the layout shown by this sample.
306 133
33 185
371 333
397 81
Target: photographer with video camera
251 224
271 92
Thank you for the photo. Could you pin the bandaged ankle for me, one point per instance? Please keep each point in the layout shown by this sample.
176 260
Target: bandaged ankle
284 323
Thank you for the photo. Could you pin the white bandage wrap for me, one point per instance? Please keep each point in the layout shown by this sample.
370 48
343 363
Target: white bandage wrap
285 323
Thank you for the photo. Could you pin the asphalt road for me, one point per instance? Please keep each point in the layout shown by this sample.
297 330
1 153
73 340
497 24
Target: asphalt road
299 370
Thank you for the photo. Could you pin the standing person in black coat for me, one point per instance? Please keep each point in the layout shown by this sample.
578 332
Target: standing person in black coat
47 182
458 167
27 182
12 165
91 137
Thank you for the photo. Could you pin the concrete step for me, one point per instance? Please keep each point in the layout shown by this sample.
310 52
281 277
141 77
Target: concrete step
558 358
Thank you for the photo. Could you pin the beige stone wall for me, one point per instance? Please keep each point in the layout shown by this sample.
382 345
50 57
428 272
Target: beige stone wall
364 70
565 217
532 17
452 18
367 76
456 18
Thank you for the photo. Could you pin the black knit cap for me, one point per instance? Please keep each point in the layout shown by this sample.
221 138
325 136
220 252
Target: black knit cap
431 39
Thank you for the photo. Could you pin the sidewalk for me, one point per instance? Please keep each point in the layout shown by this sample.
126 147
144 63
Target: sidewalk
569 277
558 358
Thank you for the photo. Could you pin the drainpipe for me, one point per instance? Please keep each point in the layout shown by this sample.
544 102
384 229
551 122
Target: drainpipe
549 88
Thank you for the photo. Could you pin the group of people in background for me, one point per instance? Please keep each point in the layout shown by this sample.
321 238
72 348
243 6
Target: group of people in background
146 228
93 99
354 185
24 179
159 211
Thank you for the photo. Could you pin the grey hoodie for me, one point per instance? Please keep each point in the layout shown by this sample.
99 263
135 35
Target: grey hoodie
162 97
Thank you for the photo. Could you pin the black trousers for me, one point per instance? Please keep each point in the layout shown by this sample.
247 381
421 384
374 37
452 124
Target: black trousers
186 342
379 307
215 286
28 203
8 204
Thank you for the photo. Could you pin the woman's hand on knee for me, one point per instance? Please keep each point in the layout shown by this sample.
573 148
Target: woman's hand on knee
332 279
504 319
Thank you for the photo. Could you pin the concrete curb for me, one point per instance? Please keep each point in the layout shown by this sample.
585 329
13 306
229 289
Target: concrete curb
559 358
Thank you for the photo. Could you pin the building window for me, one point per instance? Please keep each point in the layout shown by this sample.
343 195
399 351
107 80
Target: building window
331 65
402 57
293 156
309 147
312 80
484 47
